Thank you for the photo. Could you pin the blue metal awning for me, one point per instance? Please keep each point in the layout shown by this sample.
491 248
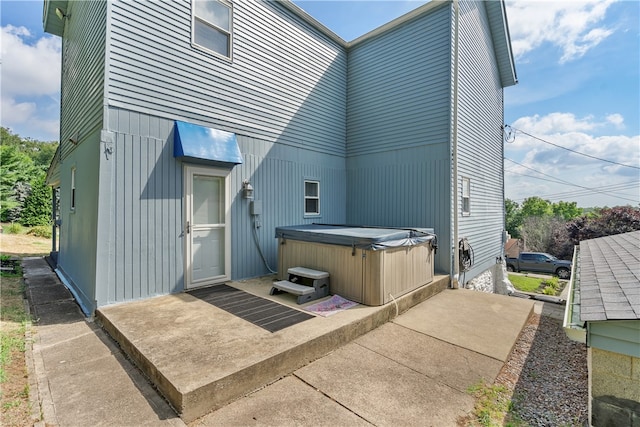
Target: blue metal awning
205 145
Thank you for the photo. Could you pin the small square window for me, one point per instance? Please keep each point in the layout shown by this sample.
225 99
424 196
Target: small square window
311 198
466 196
212 23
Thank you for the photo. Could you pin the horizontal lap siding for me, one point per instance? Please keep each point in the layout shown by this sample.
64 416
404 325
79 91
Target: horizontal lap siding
399 87
286 83
82 90
398 121
480 143
77 255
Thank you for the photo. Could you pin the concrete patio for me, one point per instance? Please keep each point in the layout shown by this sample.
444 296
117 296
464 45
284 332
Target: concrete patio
403 364
200 357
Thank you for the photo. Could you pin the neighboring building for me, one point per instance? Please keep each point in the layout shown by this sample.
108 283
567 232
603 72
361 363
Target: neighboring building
171 110
604 311
512 248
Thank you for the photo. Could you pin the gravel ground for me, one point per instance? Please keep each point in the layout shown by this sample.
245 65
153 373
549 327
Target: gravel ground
547 374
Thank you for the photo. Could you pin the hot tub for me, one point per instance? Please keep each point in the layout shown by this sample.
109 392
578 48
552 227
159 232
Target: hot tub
368 265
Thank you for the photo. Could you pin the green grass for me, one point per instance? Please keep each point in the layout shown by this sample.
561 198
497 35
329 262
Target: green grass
547 286
495 406
524 283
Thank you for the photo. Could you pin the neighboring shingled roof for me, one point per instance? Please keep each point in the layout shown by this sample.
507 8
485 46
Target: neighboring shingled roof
610 278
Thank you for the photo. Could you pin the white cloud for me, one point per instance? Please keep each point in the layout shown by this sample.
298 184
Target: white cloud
574 27
540 162
616 120
30 82
29 69
13 112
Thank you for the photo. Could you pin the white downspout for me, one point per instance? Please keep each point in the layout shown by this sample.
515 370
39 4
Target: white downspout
455 268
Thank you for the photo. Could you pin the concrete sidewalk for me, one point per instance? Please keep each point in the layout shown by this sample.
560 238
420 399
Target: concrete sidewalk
80 375
413 370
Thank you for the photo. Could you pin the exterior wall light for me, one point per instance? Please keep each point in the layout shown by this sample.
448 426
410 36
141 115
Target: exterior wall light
247 189
61 15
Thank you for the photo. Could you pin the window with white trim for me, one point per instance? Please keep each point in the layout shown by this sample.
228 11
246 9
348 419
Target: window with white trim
212 24
73 189
466 196
311 197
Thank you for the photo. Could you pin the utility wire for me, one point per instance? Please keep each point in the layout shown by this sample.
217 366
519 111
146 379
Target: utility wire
610 188
564 148
567 182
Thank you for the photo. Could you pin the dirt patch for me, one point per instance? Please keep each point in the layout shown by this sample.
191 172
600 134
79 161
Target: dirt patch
24 245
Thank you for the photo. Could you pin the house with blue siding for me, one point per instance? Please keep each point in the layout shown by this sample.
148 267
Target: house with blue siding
191 129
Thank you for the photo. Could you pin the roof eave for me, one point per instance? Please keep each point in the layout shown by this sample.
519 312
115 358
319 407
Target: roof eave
425 8
51 23
312 21
499 25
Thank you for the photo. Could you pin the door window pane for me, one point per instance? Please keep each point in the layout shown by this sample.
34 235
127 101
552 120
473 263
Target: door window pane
208 200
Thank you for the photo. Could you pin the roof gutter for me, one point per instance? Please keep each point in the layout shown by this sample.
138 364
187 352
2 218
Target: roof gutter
573 327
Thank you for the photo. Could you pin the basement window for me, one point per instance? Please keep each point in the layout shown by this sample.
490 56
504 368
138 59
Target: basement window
211 28
466 197
311 198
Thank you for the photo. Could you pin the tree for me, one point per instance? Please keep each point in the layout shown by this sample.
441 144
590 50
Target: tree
22 160
16 170
566 210
513 218
37 206
606 222
536 206
540 233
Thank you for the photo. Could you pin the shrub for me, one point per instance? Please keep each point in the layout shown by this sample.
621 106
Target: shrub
40 231
37 206
552 282
549 290
13 228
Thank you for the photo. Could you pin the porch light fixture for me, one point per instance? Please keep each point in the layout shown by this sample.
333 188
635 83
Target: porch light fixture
61 15
247 189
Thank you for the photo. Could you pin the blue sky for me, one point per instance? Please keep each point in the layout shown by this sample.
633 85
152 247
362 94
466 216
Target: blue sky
578 65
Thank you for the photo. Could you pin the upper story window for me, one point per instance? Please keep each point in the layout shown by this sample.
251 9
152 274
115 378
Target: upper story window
212 24
466 196
311 198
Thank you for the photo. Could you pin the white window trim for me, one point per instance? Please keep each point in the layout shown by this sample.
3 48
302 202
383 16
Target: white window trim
467 187
311 214
73 192
188 172
229 32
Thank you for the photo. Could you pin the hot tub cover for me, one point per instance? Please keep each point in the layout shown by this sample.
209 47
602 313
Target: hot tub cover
362 237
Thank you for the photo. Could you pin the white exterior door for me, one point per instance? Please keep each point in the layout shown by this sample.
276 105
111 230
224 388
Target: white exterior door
207 230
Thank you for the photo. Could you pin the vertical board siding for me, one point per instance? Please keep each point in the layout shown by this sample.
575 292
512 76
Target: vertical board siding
480 143
147 204
398 123
393 190
82 89
146 207
286 82
277 174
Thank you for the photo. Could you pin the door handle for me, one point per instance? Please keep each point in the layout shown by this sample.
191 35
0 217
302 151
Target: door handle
188 227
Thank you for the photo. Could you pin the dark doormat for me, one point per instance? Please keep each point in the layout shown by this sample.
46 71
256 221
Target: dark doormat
261 312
